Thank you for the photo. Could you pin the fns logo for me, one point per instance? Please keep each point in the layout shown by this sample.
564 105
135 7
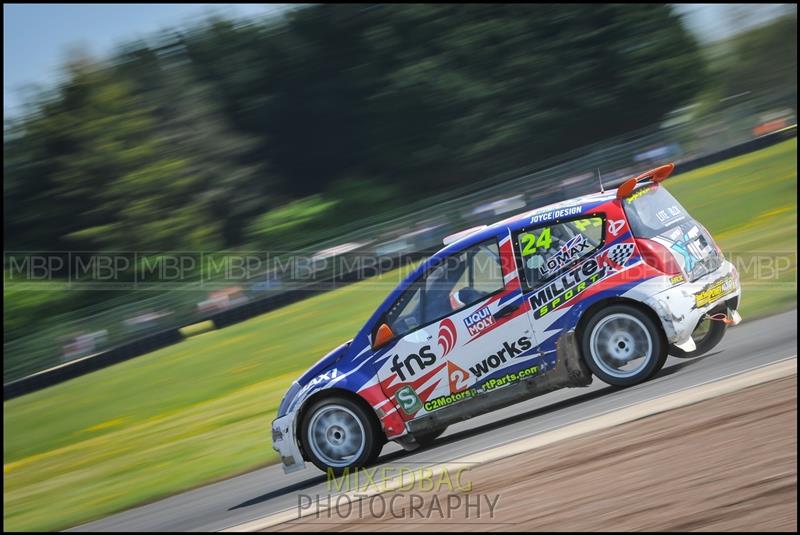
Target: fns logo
413 363
447 336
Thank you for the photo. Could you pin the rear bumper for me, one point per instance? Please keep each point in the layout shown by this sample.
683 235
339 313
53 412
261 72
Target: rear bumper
681 307
284 441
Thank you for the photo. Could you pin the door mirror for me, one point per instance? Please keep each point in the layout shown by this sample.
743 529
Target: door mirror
382 336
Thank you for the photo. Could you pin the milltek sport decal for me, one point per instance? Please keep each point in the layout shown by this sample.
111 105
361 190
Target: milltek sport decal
569 285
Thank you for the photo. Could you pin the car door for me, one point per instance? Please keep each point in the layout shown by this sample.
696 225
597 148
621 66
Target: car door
556 267
460 327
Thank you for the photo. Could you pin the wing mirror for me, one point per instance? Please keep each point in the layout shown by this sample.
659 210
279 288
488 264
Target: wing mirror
382 336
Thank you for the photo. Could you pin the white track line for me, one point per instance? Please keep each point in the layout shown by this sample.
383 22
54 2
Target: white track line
636 411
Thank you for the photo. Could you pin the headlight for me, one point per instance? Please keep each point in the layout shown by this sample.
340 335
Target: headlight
276 434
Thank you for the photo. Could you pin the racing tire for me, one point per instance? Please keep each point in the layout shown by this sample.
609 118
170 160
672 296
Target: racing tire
338 433
706 335
426 439
619 336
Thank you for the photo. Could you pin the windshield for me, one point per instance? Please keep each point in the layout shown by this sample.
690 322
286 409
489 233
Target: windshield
651 210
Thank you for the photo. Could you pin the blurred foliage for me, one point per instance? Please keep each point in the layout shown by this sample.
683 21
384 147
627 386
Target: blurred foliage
287 222
186 142
757 63
764 60
20 306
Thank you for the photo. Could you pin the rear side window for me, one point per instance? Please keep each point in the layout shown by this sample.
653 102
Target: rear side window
651 210
547 251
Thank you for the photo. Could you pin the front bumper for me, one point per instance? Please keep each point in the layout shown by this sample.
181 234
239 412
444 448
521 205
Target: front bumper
681 307
284 441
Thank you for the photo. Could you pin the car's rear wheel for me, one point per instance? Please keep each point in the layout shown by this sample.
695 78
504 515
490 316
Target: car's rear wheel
338 433
706 336
623 346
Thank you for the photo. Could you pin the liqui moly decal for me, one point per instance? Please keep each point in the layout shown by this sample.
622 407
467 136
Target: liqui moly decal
478 321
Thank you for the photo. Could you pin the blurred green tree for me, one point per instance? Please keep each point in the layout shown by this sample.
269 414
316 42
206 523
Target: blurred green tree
439 95
186 141
762 61
118 178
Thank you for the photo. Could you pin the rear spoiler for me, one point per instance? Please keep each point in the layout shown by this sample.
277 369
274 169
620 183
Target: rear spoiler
659 174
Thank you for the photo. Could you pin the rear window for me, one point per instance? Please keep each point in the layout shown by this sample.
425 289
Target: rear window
651 210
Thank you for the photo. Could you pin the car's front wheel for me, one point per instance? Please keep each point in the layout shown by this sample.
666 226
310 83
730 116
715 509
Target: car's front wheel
623 346
339 433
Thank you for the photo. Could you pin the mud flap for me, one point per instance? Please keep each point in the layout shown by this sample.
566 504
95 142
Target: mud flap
569 356
688 345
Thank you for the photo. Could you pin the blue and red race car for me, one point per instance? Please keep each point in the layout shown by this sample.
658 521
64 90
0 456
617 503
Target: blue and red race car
603 285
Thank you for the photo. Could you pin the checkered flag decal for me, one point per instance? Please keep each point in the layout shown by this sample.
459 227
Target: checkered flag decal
619 254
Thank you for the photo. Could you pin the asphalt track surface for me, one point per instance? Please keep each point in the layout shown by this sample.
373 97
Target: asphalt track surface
268 490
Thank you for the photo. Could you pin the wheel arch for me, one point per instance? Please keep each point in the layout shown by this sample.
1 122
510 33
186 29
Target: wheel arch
617 300
326 393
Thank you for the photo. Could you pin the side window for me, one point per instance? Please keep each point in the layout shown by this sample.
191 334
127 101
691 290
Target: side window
546 251
475 273
406 314
458 281
487 273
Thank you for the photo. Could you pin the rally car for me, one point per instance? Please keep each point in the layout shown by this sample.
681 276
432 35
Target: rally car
602 285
